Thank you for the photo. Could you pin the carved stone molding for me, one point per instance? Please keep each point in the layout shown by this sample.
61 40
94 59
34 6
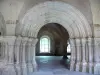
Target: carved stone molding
11 22
46 14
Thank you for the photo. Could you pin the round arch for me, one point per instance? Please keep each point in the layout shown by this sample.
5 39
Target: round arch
54 12
47 39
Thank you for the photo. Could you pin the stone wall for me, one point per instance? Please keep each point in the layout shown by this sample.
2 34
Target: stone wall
18 53
19 56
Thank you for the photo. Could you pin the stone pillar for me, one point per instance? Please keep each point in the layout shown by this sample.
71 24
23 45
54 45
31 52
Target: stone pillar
6 52
23 52
34 41
29 54
2 47
4 56
79 55
73 54
17 56
97 56
91 54
9 68
84 62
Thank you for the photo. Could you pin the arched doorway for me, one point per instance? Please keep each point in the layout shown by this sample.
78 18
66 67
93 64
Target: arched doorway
70 18
57 37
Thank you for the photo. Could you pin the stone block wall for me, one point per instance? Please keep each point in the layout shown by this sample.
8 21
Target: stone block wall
19 56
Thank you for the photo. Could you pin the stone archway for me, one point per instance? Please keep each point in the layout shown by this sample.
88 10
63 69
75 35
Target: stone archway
54 12
71 19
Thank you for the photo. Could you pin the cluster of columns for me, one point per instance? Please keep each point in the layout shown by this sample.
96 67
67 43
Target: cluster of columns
19 55
84 55
97 56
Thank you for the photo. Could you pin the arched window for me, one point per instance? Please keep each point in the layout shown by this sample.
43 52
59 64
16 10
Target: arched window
44 44
68 50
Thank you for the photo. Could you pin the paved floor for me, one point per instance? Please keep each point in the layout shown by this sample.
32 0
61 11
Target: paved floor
48 65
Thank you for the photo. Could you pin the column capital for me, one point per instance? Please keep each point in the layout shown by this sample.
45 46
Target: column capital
34 41
24 40
84 40
78 42
90 42
72 42
10 40
18 41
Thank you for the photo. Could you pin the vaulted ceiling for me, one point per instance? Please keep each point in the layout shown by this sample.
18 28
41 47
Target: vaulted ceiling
58 32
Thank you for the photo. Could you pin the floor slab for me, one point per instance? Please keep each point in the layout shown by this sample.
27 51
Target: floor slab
53 65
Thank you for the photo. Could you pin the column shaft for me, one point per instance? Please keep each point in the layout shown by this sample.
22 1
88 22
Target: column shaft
17 54
84 63
23 59
10 69
73 54
34 41
91 54
96 56
79 55
29 54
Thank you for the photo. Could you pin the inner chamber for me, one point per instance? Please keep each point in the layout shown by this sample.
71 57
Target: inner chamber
53 46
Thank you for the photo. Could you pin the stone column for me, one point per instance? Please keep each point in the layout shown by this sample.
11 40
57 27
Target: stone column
29 54
23 52
91 54
4 56
34 41
84 63
2 47
10 69
79 55
73 54
6 52
16 53
97 56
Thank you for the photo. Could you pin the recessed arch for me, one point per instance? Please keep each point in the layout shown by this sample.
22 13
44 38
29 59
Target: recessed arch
54 12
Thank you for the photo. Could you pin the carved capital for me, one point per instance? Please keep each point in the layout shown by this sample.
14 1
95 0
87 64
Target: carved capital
34 41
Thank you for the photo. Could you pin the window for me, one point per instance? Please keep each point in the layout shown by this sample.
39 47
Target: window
68 48
45 44
69 51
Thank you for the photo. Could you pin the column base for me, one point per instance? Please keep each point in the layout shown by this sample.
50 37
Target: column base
9 70
35 67
24 69
18 69
30 67
78 66
97 68
72 66
84 67
91 67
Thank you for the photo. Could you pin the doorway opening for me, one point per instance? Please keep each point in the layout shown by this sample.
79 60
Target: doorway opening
53 47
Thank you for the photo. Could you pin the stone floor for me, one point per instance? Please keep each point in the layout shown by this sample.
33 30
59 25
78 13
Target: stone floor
52 65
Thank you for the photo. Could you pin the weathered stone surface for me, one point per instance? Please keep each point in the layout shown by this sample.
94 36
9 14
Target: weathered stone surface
18 41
